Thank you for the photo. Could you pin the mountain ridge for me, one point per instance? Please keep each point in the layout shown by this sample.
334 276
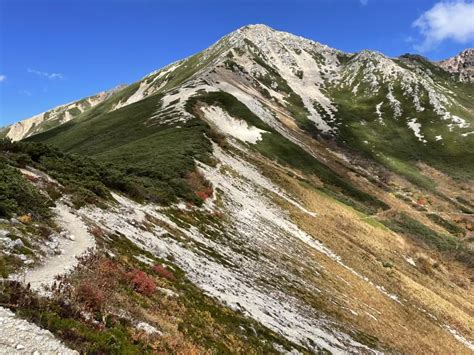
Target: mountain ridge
16 131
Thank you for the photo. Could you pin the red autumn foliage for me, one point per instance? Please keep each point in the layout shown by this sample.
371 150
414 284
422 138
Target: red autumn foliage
163 272
90 296
198 183
141 282
205 194
97 232
218 214
421 201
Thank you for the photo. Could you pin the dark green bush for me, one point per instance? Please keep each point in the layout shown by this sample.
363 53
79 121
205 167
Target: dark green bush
414 229
18 196
449 226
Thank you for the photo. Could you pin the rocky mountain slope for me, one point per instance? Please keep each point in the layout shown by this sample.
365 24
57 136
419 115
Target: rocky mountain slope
303 198
54 117
461 66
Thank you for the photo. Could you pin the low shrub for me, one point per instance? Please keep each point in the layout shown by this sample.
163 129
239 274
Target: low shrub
410 227
449 226
163 272
141 282
90 296
18 196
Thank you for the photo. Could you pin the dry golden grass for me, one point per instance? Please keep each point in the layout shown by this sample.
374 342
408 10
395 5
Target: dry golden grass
430 299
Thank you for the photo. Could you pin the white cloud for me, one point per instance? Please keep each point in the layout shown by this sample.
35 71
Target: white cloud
364 2
46 74
3 78
446 20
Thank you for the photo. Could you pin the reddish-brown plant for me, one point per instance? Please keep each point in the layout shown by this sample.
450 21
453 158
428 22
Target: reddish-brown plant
141 282
163 272
90 296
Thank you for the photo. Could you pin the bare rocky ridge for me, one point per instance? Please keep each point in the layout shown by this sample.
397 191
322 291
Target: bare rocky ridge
461 65
56 116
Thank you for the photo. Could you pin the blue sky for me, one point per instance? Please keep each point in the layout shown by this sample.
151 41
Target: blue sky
56 51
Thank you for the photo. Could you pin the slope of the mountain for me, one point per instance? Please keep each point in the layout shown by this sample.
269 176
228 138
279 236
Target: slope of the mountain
326 196
461 65
362 100
55 117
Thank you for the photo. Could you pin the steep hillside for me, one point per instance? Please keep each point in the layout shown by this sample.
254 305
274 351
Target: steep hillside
302 198
461 65
361 100
55 117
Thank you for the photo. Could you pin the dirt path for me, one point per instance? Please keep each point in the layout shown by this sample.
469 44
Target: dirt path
18 336
77 242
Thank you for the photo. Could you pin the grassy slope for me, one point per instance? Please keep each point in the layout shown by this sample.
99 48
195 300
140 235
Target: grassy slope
159 157
276 147
393 144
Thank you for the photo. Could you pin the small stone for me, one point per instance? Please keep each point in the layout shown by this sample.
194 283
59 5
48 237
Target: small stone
72 237
17 243
19 347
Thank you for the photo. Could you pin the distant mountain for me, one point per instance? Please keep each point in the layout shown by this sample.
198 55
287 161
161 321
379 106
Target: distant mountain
323 200
461 65
56 116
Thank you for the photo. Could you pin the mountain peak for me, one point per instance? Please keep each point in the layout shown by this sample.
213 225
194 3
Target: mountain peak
461 65
256 27
267 38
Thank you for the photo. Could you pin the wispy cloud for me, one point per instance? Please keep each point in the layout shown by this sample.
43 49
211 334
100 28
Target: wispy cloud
364 2
46 74
3 78
446 20
24 92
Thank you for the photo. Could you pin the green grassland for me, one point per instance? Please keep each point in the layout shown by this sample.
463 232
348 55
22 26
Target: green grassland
392 143
157 158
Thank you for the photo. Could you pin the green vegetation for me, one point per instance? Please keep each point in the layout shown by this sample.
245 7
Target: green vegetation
449 226
154 160
82 177
18 196
420 233
391 142
414 229
62 319
276 147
